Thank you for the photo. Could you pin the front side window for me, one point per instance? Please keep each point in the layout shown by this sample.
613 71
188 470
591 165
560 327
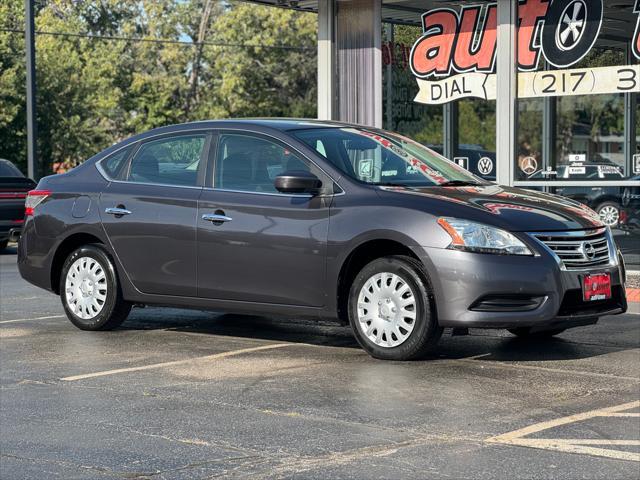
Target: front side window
170 161
384 158
249 163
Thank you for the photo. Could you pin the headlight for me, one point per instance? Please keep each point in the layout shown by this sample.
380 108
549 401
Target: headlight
481 238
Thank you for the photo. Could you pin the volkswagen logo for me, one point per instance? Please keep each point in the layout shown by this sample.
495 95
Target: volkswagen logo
485 165
588 251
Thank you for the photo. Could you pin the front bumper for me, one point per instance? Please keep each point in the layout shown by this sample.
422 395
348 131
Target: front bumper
510 291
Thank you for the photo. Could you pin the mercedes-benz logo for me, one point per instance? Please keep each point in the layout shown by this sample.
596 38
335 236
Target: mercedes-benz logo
571 25
529 165
588 250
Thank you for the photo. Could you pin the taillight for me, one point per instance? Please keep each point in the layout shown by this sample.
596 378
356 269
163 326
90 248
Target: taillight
34 198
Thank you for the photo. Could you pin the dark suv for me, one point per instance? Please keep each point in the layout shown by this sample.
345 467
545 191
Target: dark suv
315 219
13 191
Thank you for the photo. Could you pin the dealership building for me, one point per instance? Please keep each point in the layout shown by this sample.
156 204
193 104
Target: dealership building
539 94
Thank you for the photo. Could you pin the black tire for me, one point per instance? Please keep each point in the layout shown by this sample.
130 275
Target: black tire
114 310
525 332
425 333
609 205
4 244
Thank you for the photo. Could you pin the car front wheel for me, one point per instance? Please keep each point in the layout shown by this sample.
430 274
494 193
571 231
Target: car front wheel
90 292
390 310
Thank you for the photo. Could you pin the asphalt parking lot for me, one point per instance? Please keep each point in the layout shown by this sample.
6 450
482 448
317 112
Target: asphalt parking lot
189 394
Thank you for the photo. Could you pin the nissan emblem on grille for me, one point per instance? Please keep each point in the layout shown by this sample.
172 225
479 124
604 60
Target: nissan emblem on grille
588 251
578 249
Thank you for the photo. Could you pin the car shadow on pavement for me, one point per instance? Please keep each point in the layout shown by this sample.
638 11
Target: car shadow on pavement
511 349
314 332
10 250
487 346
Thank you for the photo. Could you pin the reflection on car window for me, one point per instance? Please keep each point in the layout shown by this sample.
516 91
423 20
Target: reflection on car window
383 158
250 164
115 162
170 161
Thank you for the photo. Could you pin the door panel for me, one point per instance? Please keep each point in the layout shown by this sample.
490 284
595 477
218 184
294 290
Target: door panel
156 242
150 218
271 250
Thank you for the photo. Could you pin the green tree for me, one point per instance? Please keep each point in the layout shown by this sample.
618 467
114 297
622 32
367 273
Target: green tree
170 61
261 81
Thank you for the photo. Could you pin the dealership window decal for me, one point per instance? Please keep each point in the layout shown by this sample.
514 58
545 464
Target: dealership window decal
456 54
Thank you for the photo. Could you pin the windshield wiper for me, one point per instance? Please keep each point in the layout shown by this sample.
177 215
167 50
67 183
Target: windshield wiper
392 184
459 183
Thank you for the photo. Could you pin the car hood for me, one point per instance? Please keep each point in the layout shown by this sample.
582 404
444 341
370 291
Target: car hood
512 208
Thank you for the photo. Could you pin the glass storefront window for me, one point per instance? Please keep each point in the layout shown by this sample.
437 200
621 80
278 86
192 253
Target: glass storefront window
400 113
449 38
577 130
576 134
577 75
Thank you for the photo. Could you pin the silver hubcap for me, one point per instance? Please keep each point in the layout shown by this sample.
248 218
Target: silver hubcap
86 288
609 215
386 310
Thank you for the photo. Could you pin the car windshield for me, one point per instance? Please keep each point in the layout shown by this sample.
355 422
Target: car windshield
382 158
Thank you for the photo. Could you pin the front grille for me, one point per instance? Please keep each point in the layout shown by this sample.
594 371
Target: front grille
577 250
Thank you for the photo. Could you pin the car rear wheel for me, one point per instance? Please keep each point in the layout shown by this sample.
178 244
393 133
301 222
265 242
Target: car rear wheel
390 310
527 332
609 213
90 292
3 244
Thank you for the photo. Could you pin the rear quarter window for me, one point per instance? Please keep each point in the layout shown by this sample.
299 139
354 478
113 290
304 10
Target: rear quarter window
113 164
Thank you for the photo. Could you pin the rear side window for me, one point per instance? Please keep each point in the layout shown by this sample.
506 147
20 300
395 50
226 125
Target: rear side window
170 161
112 165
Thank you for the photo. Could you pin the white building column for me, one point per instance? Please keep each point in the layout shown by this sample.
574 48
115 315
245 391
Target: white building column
327 64
506 102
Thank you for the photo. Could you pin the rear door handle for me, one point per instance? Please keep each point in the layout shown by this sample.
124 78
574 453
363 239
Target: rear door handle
216 218
118 212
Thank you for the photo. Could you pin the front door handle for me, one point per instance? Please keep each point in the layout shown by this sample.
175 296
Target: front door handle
216 218
117 211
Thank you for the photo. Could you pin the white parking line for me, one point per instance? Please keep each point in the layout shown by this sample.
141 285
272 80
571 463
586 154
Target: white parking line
575 445
31 319
563 371
215 356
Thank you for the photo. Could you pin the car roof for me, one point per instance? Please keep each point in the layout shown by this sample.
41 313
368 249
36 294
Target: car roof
275 123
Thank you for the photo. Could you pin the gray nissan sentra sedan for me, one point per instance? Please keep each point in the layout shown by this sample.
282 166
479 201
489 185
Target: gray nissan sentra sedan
315 219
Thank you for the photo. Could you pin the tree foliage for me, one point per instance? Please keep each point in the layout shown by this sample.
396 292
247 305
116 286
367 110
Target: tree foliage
123 67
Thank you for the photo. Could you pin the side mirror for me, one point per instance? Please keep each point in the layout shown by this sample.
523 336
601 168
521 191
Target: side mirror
298 181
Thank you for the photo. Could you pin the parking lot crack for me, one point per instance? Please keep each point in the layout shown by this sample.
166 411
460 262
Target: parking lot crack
297 464
62 463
